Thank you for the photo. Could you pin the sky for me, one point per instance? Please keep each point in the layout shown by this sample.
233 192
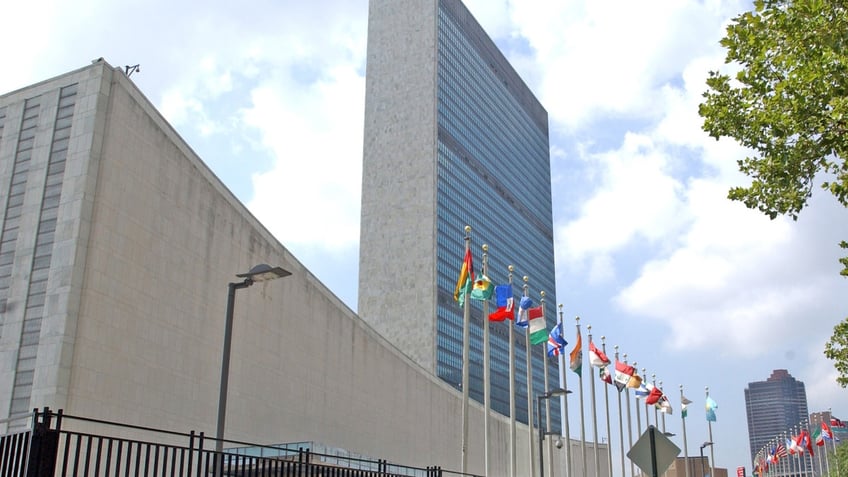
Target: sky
695 288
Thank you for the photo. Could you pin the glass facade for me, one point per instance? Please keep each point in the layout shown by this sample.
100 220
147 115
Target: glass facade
494 175
775 408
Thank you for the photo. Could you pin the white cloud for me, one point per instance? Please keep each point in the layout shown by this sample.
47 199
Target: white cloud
602 58
310 197
635 198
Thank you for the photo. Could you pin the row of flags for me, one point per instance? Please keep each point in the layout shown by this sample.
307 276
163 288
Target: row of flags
795 445
532 318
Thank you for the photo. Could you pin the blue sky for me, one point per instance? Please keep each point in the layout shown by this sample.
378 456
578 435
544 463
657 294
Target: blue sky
697 289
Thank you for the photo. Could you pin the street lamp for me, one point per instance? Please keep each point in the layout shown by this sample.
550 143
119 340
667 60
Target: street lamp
705 444
542 433
259 273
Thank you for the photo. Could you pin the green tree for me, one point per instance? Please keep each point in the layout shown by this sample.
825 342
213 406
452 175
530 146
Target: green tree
838 461
837 350
788 102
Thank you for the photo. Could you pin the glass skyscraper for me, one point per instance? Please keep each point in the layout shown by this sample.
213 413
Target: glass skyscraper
774 408
453 137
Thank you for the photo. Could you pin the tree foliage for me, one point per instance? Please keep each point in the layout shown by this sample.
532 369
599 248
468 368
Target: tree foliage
788 102
837 350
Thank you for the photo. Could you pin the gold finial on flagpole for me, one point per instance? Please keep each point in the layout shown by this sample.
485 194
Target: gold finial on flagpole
603 339
526 279
577 320
485 248
510 268
467 229
588 328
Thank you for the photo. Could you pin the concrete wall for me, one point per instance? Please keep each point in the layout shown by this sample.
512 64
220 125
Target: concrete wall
153 239
400 132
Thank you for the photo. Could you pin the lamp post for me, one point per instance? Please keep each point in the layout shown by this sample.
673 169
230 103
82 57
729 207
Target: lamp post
543 432
259 273
705 444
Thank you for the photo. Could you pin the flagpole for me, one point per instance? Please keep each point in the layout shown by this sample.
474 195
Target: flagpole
663 410
547 390
798 463
656 411
564 404
512 435
620 422
629 421
594 413
638 412
787 466
683 421
647 416
580 389
712 447
810 442
833 441
529 357
487 395
606 406
466 351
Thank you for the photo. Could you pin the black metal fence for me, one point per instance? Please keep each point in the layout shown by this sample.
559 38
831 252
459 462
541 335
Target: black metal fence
48 449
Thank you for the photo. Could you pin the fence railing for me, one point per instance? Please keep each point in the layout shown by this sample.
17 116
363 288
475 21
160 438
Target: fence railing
61 445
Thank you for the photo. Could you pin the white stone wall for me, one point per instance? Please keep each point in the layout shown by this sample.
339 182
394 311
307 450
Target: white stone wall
149 242
400 78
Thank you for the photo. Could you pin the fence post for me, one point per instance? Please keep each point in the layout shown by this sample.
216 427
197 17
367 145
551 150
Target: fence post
43 446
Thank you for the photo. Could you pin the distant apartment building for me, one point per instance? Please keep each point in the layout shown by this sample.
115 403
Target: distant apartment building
776 408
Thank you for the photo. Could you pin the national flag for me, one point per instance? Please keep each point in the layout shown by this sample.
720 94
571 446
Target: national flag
538 328
793 446
711 406
818 437
466 277
780 450
523 305
597 357
555 341
604 374
684 403
836 422
654 395
482 289
808 442
635 381
665 405
576 357
642 391
505 301
623 373
827 433
803 441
